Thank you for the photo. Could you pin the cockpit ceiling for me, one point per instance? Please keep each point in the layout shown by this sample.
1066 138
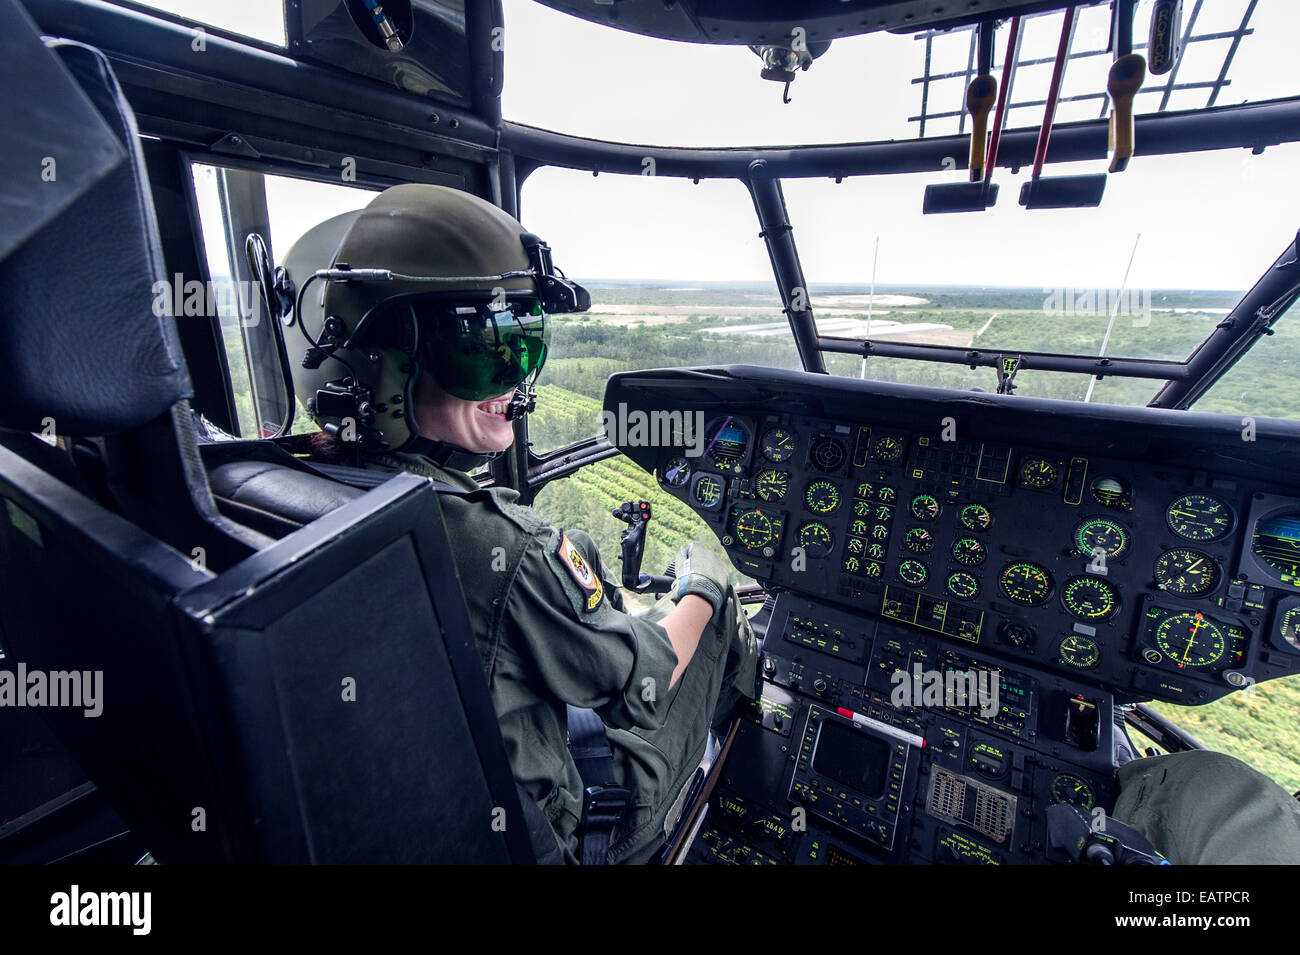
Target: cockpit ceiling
761 21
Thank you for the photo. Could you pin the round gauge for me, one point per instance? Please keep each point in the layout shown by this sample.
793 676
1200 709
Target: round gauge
1288 626
822 497
886 495
816 539
828 454
858 526
888 449
1068 787
876 551
675 472
1016 634
1026 583
1199 517
913 572
865 491
1187 573
924 507
1101 533
1090 598
1111 492
707 491
1277 543
855 545
755 529
725 443
1082 653
862 508
968 551
771 485
963 585
852 564
919 540
976 517
871 569
1191 639
1039 473
777 445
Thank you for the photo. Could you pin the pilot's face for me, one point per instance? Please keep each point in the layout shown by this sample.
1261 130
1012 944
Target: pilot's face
478 426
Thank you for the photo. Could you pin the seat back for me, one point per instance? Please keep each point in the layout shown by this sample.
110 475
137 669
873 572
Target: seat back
313 699
322 701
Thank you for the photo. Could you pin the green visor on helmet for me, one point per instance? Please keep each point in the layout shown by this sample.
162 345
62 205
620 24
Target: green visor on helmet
474 350
475 353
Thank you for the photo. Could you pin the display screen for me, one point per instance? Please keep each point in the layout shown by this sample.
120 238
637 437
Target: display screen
852 758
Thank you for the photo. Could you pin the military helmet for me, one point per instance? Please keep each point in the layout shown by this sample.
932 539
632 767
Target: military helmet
423 279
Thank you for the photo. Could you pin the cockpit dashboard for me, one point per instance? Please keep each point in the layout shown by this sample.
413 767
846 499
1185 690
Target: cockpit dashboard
1073 557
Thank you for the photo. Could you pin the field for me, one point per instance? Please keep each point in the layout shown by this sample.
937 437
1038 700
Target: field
639 326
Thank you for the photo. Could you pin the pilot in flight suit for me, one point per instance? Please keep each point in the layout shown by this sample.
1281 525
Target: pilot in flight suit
461 299
549 635
429 316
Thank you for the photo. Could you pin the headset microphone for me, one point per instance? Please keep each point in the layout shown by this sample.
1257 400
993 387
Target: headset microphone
524 401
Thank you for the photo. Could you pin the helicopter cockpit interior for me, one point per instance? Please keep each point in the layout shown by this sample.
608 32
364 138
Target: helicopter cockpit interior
992 545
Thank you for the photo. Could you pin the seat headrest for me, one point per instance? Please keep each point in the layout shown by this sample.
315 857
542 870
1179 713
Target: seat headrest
79 340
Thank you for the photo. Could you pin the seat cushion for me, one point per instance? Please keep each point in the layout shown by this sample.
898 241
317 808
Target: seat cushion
275 499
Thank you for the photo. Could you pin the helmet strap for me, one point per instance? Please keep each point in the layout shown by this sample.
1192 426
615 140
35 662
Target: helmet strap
448 455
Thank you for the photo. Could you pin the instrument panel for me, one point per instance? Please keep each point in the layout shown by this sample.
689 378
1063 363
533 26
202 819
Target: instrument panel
963 589
1164 580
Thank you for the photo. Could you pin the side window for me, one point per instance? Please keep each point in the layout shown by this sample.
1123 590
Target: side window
232 203
678 276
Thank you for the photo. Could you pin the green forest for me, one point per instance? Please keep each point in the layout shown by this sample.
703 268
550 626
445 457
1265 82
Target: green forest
1260 727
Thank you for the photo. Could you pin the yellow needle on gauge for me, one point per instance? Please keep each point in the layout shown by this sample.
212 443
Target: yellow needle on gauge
1190 643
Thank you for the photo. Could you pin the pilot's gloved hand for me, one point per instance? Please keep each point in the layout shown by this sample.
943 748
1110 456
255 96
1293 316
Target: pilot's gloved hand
701 572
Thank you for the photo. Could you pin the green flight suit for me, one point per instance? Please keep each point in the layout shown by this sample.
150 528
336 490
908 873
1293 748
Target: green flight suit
1200 807
552 631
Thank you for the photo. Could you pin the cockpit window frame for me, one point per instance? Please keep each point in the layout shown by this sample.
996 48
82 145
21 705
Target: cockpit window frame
761 170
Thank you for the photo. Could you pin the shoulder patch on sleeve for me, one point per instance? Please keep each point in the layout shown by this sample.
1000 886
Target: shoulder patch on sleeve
583 574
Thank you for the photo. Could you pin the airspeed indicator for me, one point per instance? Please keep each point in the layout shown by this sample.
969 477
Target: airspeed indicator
778 445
